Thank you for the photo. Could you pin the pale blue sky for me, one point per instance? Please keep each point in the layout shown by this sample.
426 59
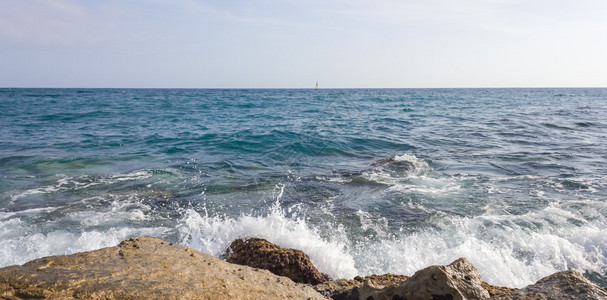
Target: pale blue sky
291 44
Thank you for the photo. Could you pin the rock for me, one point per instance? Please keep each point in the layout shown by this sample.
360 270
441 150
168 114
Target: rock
145 268
340 289
495 290
458 280
149 268
371 291
343 289
259 253
391 164
561 285
386 279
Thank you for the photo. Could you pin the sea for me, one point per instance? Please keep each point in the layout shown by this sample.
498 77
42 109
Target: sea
365 181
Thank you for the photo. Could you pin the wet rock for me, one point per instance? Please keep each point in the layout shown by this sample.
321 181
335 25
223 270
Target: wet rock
371 291
144 268
458 280
259 253
343 289
561 285
394 165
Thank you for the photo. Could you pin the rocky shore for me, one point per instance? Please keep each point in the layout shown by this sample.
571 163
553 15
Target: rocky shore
149 268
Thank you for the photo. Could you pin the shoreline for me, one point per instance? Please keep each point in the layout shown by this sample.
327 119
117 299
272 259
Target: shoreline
152 268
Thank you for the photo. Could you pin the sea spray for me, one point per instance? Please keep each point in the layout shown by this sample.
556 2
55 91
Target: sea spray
214 234
508 252
88 224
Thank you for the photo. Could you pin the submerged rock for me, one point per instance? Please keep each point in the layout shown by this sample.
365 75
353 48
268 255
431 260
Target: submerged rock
145 268
259 253
561 285
394 165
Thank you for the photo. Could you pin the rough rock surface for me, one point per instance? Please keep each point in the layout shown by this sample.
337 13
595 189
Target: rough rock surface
343 289
458 280
561 285
495 290
259 253
145 268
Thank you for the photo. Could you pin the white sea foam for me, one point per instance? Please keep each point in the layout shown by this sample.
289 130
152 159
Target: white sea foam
90 223
367 221
118 210
416 180
81 182
333 179
19 250
517 178
427 185
7 215
214 234
420 166
507 250
71 229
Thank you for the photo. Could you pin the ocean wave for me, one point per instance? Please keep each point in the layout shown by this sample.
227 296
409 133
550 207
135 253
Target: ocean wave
408 173
26 247
81 182
213 234
83 226
507 251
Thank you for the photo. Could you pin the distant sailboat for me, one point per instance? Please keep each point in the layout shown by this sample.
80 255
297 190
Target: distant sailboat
316 87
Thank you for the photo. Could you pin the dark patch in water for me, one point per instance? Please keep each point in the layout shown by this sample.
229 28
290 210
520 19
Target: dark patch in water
599 279
572 185
391 164
556 126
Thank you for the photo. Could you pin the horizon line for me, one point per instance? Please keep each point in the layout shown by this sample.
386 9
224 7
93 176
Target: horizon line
310 88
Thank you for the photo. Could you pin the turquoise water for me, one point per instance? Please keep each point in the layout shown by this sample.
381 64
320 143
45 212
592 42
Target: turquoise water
364 181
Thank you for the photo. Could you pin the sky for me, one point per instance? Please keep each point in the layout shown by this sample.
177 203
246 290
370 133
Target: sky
293 44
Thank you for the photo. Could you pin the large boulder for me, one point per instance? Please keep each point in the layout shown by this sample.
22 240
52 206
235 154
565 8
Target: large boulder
145 268
259 253
457 281
561 285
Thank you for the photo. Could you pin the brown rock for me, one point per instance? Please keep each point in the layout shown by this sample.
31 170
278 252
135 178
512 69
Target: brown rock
343 289
561 285
145 268
259 253
457 281
386 279
495 290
